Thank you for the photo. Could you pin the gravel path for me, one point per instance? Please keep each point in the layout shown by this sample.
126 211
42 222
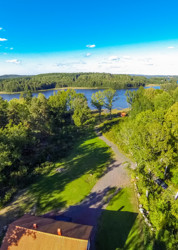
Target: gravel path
115 176
89 210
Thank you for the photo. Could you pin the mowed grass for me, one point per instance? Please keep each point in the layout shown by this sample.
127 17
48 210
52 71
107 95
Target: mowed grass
80 171
54 191
120 225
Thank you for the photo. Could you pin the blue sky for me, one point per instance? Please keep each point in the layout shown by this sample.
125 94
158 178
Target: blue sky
102 36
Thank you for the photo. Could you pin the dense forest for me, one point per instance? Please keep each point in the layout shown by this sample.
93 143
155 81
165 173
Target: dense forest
150 136
91 80
36 131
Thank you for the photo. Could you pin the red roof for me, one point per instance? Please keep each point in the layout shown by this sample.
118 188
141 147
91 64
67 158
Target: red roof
21 235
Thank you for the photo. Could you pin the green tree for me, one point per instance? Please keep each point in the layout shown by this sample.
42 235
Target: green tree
130 96
39 114
57 110
97 100
71 95
27 95
3 112
81 111
150 136
175 95
139 102
110 98
18 111
163 100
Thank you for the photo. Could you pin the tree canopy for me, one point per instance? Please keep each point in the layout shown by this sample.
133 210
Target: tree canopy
150 136
36 130
91 80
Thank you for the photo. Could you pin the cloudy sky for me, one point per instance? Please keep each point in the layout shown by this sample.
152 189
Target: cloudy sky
133 37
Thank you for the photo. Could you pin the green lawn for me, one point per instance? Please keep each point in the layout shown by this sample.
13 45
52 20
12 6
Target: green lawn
81 169
85 164
120 225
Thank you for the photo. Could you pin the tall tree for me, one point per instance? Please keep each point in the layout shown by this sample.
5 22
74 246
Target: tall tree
97 100
81 111
39 114
3 112
110 98
57 109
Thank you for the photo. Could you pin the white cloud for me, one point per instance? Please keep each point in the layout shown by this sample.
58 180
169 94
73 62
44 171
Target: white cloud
91 46
11 48
0 28
114 58
69 64
148 60
3 39
88 54
15 61
126 58
171 47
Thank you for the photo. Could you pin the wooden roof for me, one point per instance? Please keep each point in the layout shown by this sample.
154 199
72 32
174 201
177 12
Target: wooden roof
21 235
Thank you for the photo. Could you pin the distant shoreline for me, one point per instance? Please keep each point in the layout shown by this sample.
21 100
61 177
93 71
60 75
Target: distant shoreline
152 85
44 90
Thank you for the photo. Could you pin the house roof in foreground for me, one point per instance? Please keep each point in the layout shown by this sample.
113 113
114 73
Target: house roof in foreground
21 235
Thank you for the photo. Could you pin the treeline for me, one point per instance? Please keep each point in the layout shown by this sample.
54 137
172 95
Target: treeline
150 135
59 80
34 131
159 80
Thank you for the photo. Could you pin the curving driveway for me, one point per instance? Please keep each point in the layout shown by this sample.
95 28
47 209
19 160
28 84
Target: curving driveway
116 176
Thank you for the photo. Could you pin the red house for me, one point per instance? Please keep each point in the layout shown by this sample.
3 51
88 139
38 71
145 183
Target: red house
38 233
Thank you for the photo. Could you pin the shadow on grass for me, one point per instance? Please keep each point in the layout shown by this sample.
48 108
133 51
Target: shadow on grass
116 223
89 210
111 228
114 228
88 160
85 164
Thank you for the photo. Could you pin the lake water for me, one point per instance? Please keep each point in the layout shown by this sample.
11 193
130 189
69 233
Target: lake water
121 103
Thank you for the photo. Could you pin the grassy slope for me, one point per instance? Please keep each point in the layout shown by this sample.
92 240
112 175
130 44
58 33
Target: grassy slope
85 164
120 225
107 128
82 168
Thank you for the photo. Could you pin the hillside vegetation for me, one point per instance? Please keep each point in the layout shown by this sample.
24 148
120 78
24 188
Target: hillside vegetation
150 136
34 131
40 150
90 80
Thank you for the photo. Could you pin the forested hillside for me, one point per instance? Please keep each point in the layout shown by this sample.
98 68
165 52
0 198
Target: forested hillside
34 131
11 76
150 136
91 80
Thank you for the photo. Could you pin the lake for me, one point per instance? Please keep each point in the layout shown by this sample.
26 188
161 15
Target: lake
121 103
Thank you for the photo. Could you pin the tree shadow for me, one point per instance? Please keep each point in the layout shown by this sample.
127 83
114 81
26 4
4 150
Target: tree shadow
114 228
14 234
110 228
89 210
88 159
111 167
107 125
